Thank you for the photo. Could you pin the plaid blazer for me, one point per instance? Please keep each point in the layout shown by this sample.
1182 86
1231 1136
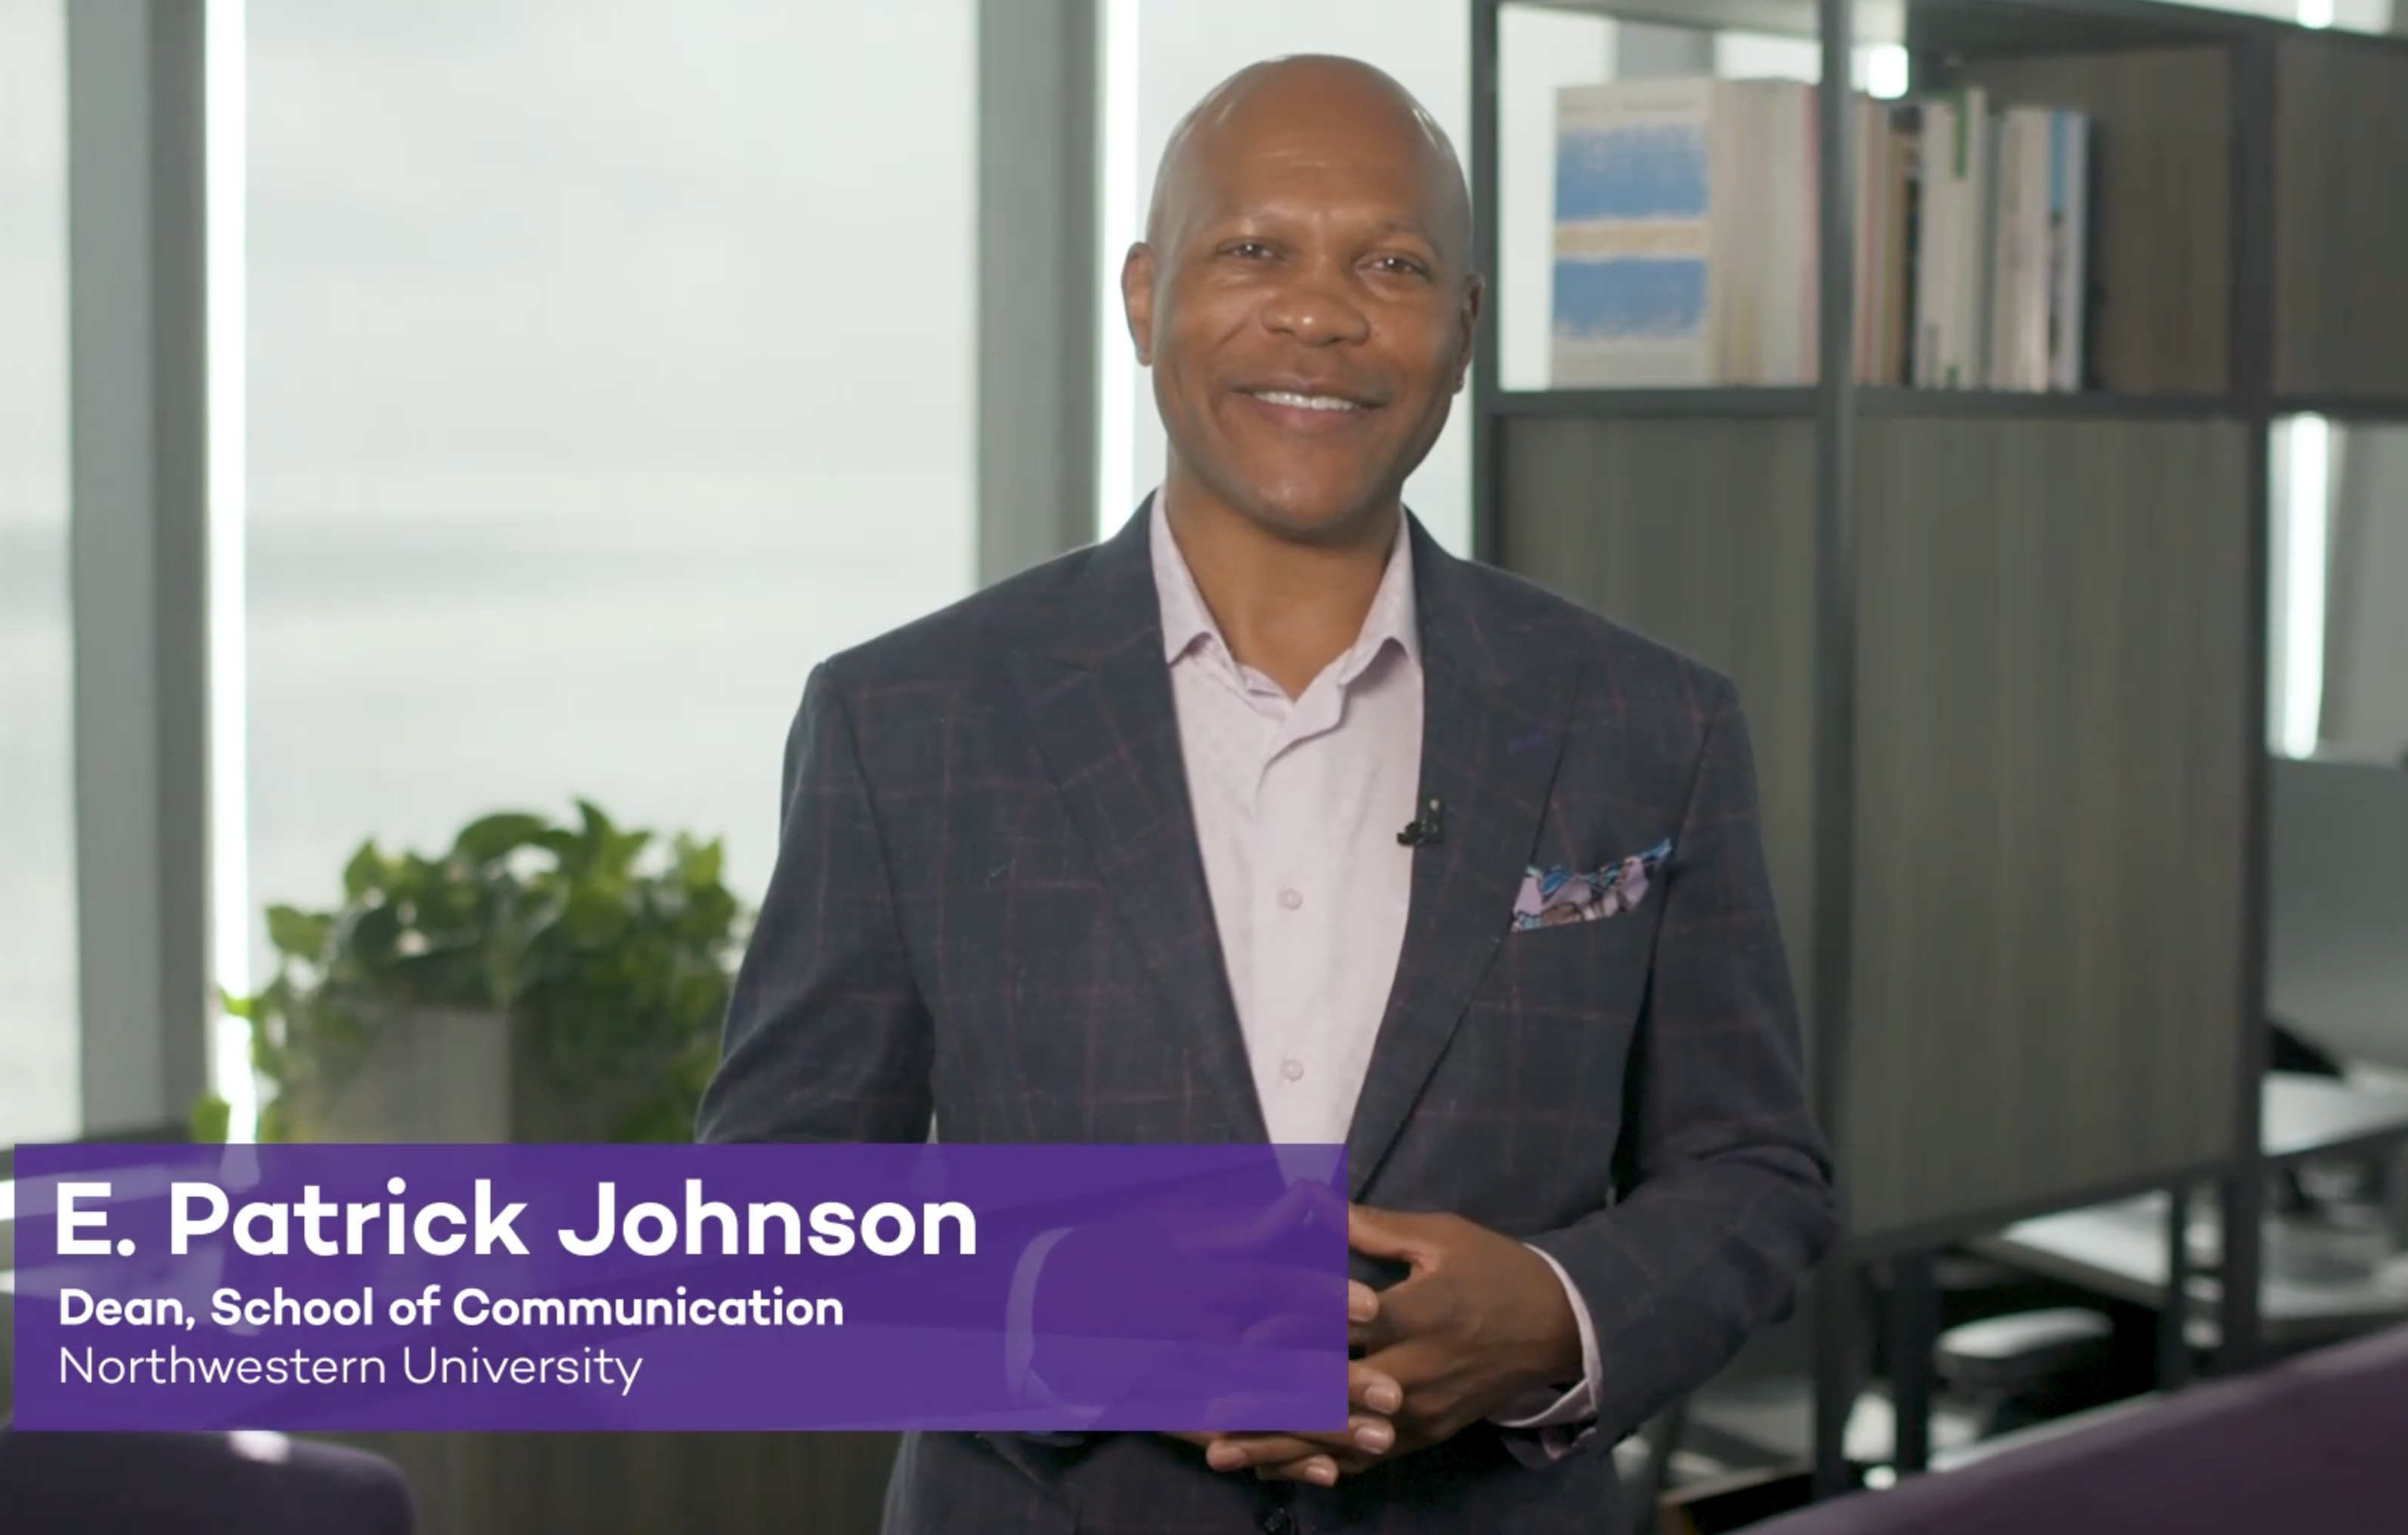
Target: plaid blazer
989 905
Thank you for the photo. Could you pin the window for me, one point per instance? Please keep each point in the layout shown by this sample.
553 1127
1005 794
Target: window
2353 15
40 1092
2338 602
610 364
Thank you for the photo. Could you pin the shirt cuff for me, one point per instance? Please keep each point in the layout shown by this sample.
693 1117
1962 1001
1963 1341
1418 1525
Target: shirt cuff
1558 1414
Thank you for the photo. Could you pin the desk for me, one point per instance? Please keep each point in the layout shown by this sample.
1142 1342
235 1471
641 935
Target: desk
2123 1249
2126 1251
2304 1116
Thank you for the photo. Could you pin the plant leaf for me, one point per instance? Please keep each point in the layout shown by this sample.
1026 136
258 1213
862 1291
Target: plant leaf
599 829
363 872
300 934
562 843
701 867
493 837
213 1116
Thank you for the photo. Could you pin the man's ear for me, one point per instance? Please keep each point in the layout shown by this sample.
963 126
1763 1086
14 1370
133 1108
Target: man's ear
1137 300
1475 294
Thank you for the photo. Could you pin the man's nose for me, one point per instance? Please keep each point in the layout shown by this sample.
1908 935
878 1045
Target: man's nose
1317 309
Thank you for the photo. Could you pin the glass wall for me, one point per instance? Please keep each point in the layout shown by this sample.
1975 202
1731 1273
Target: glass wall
1538 53
2363 706
2337 604
39 1097
611 363
2351 15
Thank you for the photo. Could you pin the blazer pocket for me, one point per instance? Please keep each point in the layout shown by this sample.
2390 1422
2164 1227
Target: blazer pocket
1564 898
1578 969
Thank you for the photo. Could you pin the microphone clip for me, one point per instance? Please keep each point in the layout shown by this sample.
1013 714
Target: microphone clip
1428 829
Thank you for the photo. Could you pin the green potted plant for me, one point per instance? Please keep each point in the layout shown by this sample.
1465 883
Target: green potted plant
536 982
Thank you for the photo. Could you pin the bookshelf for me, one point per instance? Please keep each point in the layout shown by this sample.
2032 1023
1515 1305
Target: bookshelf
2005 655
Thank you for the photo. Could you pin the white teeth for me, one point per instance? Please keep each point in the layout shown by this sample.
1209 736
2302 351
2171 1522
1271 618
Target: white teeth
1305 402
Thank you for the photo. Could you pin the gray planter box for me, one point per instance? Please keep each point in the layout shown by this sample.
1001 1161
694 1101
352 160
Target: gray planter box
451 1075
431 1075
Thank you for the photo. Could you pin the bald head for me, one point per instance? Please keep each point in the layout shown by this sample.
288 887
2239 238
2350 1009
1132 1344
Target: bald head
1309 96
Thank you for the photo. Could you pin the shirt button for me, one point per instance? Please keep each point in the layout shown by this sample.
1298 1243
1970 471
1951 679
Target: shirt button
1279 1522
1292 1070
1291 897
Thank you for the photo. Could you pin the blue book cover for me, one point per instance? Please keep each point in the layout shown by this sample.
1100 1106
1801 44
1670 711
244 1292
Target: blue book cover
1633 292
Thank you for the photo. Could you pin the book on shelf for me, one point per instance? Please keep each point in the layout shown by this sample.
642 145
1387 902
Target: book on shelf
2019 253
1685 243
1958 176
2068 249
1890 223
1686 253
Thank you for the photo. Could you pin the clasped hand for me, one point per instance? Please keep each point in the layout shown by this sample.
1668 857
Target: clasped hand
1479 1320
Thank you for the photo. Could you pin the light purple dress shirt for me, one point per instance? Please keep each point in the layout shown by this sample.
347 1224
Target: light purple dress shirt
1298 805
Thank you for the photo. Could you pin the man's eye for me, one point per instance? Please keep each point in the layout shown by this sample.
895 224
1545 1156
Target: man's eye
1250 250
1401 266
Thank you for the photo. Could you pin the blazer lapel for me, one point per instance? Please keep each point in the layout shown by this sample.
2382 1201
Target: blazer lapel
1493 710
1099 701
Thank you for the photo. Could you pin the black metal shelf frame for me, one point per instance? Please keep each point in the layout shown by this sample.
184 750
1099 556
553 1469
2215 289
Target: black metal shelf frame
1690 404
1933 30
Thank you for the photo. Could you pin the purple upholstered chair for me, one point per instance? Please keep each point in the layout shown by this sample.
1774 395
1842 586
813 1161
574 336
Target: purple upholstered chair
2318 1443
196 1484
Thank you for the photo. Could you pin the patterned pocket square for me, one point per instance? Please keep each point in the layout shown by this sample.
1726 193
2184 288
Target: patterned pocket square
1553 896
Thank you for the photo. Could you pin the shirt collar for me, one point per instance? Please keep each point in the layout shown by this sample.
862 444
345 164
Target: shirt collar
1186 621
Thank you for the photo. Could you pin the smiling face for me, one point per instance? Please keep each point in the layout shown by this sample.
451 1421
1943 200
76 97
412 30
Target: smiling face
1304 296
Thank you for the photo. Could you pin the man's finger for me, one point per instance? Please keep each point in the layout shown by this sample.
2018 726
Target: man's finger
1376 1335
1406 1309
1368 1389
1321 1470
1249 1452
1369 1392
1316 1467
1400 1317
1389 1234
1408 1366
1372 1387
1362 1302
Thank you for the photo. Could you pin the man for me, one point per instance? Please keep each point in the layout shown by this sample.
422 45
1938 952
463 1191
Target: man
1267 819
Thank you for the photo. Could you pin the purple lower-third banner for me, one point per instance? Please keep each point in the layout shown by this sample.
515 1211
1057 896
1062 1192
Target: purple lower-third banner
998 1288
